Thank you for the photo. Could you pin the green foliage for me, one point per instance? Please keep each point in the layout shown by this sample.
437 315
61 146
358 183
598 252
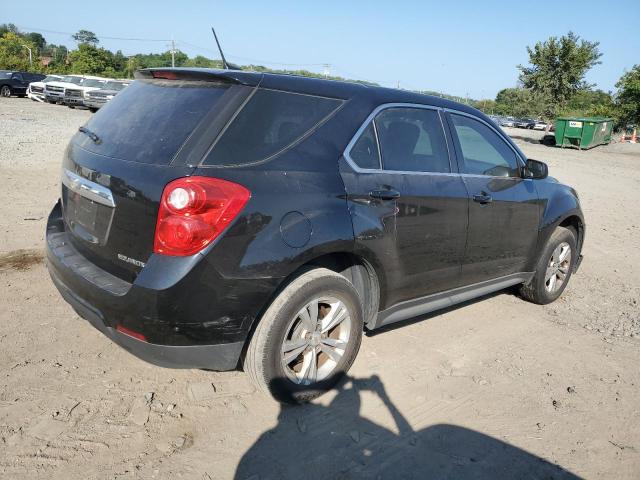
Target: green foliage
85 36
519 102
628 97
8 28
37 39
90 60
557 70
13 54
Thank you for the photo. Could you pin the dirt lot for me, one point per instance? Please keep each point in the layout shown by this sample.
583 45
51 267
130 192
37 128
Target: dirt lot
492 389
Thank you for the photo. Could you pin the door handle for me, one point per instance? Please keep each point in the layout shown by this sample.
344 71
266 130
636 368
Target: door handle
384 194
482 198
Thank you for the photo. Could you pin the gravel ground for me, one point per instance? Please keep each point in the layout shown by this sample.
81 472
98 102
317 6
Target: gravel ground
491 389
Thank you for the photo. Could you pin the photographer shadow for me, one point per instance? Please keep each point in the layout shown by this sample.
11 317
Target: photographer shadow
325 442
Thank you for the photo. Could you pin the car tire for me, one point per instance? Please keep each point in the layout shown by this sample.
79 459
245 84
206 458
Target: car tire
5 91
554 268
93 110
289 322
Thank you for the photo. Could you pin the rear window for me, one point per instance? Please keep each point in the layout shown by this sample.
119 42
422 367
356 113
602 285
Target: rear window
271 121
150 120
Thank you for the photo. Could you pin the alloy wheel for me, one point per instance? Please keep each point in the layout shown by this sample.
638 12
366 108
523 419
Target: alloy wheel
315 340
5 91
558 268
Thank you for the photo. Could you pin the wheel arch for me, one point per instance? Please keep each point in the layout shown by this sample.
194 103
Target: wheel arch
358 270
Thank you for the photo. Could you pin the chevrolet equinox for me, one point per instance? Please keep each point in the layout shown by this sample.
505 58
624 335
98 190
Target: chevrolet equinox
218 219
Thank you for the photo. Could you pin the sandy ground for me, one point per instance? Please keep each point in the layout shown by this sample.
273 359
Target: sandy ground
492 389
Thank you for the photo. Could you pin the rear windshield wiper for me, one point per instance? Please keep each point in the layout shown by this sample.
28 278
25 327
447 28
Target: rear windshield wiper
90 134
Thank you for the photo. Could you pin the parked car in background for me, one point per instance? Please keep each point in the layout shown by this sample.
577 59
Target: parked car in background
540 125
218 218
35 91
95 99
524 123
16 83
507 122
495 119
54 91
74 96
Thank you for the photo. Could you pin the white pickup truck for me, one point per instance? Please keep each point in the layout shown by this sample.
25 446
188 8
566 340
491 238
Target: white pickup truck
35 91
74 96
54 91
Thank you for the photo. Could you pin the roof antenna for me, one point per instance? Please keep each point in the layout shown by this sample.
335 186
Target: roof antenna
226 65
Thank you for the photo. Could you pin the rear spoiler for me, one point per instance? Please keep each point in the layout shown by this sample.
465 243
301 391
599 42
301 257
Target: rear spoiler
201 74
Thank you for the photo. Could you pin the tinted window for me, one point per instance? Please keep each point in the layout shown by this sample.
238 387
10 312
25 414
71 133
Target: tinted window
365 151
149 121
411 139
483 151
271 121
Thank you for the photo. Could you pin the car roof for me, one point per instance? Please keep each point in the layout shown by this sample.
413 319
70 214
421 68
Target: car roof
309 85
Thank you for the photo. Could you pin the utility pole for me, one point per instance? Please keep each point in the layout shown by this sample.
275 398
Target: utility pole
398 85
327 71
173 53
30 57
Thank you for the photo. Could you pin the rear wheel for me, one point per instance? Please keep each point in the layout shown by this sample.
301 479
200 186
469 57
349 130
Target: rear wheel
5 91
308 338
554 268
93 109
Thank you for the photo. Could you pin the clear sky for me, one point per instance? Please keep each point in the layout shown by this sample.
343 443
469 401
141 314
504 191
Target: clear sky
458 47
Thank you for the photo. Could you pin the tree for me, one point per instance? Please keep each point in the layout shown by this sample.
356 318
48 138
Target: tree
8 28
519 102
90 60
557 70
628 97
13 54
85 37
37 39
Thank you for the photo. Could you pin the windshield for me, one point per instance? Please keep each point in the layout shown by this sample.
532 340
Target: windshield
50 78
70 79
114 85
5 74
93 82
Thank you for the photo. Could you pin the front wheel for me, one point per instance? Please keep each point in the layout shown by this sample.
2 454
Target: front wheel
5 91
554 268
308 338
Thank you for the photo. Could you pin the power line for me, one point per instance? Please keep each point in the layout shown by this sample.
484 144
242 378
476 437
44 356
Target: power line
42 30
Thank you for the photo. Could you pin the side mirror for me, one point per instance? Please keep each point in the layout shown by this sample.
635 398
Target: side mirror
536 170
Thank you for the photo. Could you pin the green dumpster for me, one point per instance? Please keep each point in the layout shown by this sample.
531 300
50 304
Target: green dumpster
583 132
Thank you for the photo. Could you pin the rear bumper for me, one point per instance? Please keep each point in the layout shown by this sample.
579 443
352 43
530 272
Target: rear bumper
214 357
189 315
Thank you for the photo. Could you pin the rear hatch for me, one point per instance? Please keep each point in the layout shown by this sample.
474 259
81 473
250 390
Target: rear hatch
118 164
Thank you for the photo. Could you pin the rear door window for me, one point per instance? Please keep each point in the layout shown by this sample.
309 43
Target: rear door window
365 152
412 140
150 120
270 122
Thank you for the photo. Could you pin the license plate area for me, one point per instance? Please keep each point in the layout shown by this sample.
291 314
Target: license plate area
88 209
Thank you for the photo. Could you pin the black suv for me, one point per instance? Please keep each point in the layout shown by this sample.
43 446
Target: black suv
16 83
215 219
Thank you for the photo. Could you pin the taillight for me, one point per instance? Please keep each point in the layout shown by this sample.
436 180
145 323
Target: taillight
194 211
